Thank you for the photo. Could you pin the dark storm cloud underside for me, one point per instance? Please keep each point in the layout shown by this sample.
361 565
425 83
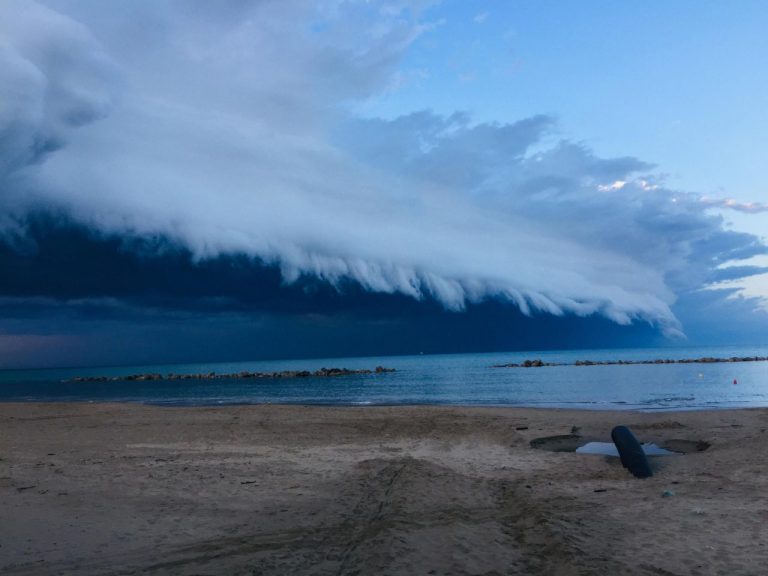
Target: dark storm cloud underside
62 275
62 260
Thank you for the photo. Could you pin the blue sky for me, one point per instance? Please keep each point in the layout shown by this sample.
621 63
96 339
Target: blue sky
590 161
681 84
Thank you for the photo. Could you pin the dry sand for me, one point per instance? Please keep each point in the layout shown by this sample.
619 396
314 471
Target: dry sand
126 489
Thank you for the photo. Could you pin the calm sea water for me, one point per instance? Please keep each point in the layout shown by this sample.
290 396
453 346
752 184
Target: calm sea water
461 379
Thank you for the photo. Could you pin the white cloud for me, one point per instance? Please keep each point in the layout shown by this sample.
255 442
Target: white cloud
732 204
617 185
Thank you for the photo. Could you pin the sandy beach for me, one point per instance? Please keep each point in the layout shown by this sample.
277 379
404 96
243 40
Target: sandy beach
128 489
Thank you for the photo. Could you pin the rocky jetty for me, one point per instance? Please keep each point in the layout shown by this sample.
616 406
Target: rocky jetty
528 364
321 373
704 360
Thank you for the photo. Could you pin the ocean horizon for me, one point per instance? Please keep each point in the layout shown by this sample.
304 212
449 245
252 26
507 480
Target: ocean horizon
440 379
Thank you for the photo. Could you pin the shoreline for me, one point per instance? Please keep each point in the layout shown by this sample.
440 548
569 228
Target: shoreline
94 488
572 407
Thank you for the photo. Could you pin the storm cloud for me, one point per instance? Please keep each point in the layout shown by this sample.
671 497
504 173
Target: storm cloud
228 130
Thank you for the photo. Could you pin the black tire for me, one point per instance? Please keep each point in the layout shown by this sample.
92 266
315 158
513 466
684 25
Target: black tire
631 453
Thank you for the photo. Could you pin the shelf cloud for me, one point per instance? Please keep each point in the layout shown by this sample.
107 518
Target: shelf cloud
230 130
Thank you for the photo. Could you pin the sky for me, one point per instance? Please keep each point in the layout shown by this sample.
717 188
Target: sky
188 180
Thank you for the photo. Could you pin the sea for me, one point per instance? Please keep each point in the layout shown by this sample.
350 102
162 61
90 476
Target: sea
446 379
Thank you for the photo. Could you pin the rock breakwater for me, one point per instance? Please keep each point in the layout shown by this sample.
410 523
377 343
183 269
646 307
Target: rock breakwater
321 373
705 360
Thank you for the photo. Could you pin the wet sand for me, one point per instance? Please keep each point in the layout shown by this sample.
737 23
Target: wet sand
129 489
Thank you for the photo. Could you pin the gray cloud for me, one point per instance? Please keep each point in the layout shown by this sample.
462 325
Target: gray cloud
53 77
230 130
